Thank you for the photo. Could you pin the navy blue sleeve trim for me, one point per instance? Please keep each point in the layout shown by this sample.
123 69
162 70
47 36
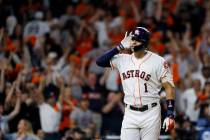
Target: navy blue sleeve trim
104 60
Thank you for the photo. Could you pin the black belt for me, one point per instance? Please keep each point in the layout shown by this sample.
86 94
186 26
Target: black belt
143 108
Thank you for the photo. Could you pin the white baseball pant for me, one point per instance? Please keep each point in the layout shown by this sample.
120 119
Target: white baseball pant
138 125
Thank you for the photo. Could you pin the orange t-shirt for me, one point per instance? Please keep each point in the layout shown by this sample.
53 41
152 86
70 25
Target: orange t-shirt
175 70
116 38
65 121
10 45
159 48
81 9
84 45
201 96
129 23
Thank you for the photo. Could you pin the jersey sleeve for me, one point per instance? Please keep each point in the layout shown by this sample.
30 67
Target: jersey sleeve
164 73
116 61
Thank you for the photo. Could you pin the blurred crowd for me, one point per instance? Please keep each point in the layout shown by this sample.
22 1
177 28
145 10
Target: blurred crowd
51 88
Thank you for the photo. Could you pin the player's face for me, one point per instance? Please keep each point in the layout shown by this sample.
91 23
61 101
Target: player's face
134 44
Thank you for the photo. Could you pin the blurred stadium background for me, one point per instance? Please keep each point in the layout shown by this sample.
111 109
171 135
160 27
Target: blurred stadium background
51 88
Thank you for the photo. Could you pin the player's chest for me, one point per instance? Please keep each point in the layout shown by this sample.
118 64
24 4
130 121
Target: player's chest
143 71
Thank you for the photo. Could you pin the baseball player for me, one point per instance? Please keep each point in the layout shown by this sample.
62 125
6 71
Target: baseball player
143 74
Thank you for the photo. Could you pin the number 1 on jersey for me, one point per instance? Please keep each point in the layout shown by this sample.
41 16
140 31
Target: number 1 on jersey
145 87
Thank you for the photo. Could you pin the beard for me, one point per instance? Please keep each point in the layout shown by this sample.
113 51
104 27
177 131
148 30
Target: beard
138 48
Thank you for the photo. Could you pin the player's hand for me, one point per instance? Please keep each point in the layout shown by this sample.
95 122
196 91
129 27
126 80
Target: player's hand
168 124
126 42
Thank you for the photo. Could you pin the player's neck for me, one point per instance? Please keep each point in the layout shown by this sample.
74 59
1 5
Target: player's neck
140 54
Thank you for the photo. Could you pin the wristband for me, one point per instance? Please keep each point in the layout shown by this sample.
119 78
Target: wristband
170 108
120 47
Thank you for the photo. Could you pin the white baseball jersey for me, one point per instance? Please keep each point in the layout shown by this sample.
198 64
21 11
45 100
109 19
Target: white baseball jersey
141 78
37 28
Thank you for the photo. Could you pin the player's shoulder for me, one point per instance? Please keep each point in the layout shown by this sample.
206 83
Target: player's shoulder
124 55
156 57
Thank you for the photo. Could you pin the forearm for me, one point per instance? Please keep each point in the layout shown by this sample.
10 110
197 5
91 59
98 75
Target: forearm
170 96
104 60
16 110
103 79
9 95
61 96
197 105
108 107
73 123
2 80
40 95
122 107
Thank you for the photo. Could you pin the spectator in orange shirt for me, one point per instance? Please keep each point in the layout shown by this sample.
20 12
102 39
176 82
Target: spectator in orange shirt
68 104
203 101
85 38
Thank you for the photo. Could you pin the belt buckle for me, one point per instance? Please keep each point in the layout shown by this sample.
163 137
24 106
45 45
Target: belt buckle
144 108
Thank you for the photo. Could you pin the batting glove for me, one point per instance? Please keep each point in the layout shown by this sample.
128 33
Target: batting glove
168 124
125 43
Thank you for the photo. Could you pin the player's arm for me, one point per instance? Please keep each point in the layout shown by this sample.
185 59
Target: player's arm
170 96
104 60
169 122
168 84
